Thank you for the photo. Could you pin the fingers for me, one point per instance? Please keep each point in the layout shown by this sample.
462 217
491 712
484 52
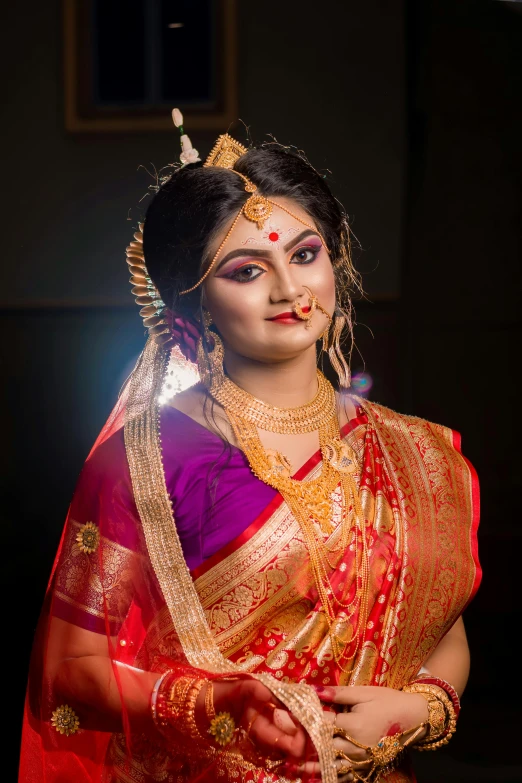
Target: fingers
346 694
269 737
283 721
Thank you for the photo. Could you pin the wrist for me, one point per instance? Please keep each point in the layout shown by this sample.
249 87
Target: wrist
173 704
182 704
442 716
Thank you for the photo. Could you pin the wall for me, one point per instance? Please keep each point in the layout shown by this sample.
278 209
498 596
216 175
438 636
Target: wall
462 327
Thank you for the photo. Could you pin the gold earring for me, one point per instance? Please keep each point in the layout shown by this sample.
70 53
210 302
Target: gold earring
332 346
210 356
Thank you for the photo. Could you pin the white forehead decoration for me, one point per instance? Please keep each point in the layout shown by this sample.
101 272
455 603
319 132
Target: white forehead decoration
271 236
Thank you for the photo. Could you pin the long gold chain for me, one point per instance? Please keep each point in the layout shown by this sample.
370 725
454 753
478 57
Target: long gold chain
311 500
287 421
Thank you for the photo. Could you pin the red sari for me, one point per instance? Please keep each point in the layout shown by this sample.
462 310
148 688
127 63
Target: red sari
252 606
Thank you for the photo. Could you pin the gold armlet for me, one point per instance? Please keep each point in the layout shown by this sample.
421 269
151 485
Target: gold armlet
442 718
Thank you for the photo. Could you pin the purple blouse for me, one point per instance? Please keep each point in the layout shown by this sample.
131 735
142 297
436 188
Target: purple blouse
214 493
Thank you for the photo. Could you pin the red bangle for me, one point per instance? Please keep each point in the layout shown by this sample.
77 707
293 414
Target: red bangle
450 690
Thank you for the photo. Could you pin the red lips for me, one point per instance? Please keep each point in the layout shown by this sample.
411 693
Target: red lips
288 314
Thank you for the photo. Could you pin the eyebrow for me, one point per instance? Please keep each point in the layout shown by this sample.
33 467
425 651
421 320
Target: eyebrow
265 253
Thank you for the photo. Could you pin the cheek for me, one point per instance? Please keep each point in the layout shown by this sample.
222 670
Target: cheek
234 306
321 280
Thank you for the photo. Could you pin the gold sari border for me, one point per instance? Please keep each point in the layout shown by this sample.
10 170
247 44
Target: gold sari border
154 507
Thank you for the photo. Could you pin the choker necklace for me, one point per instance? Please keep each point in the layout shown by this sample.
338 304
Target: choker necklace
311 500
288 421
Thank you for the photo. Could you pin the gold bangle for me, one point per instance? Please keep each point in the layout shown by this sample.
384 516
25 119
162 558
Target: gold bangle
189 710
435 738
210 711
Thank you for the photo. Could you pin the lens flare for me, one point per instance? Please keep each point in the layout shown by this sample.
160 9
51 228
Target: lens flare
180 375
362 383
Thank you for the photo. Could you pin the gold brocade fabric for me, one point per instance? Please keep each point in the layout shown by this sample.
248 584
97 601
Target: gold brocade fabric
81 584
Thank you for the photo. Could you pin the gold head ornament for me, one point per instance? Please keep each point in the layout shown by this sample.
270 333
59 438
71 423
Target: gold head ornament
257 208
147 295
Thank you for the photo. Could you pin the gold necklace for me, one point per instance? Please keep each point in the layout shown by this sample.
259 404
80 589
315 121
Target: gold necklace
287 421
311 500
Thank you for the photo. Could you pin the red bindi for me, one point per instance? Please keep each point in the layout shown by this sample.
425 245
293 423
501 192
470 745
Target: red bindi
273 236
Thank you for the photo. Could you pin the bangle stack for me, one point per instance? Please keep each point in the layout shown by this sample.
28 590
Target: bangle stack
443 710
450 690
173 705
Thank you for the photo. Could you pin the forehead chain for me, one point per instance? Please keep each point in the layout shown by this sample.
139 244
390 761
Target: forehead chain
256 208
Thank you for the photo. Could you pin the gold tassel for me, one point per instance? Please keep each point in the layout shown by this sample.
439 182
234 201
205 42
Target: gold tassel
335 353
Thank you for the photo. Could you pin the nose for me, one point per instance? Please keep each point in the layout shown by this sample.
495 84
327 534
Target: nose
285 288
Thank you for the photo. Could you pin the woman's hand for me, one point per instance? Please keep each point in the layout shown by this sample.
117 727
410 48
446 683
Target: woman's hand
268 723
374 713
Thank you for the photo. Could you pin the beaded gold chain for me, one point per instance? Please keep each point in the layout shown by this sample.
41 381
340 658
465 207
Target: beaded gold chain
311 500
289 421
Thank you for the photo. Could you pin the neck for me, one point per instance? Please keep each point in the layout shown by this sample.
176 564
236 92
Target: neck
287 384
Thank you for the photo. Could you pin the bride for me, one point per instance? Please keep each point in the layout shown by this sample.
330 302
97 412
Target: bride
260 578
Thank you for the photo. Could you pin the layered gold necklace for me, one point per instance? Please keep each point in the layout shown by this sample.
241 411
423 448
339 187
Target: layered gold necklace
311 501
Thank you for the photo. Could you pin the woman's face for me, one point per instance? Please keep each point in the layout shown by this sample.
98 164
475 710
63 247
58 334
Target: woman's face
257 277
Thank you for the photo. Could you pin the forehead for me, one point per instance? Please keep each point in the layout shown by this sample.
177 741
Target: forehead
278 229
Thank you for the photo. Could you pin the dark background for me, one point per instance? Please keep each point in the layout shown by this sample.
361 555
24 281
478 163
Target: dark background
416 108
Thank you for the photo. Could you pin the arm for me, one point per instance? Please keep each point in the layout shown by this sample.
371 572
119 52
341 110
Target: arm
81 670
450 659
83 674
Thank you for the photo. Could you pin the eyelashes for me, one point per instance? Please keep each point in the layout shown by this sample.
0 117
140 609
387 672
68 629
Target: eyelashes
246 273
243 274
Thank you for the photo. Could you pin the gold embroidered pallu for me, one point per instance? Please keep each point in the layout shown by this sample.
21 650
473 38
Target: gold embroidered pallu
253 606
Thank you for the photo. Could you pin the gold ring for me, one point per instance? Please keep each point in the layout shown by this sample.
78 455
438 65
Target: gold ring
344 770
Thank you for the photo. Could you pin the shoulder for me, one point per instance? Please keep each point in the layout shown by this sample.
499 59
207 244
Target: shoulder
346 407
389 417
406 431
196 403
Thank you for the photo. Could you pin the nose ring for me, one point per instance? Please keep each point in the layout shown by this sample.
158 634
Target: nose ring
313 304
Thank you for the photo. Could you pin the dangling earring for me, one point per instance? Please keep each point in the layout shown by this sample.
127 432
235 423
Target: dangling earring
332 346
210 362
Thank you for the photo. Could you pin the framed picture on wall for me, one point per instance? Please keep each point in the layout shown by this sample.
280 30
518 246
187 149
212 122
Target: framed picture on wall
128 62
